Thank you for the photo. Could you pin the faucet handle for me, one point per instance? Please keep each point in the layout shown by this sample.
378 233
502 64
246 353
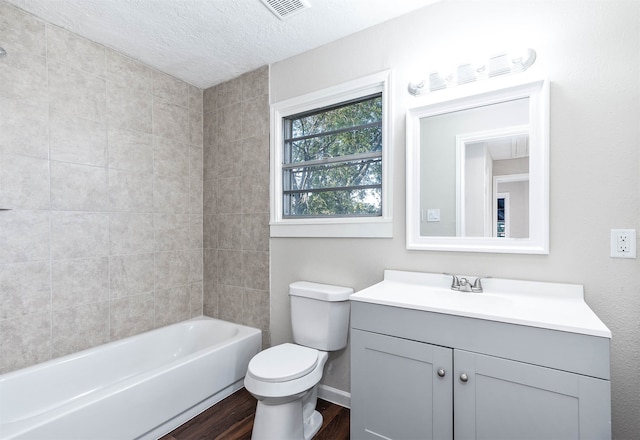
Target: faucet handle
455 282
477 284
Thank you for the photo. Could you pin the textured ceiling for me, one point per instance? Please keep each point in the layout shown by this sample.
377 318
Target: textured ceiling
206 42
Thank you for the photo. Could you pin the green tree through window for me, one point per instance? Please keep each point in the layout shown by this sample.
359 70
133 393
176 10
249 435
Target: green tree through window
333 160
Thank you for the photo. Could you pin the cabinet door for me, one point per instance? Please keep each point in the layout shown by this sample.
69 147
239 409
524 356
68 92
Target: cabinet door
503 399
396 391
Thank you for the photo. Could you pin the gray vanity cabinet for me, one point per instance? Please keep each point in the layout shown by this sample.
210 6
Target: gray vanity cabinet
503 399
423 375
397 392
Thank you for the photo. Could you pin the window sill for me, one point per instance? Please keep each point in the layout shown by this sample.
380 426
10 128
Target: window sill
336 228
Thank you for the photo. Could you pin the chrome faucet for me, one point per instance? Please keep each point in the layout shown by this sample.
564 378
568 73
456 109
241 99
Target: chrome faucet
462 284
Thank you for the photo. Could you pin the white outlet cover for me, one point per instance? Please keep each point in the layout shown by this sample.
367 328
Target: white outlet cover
630 235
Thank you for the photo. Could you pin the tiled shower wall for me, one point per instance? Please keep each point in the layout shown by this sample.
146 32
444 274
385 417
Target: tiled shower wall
101 163
236 201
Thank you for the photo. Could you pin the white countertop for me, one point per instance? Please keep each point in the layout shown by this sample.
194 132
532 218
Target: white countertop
553 306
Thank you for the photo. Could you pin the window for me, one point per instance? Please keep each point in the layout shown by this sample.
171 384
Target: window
333 161
330 164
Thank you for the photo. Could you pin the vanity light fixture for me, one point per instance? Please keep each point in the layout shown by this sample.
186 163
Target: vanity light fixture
503 64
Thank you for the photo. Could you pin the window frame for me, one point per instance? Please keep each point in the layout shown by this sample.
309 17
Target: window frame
343 226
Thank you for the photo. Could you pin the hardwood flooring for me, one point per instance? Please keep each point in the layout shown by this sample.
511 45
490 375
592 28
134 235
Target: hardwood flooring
232 419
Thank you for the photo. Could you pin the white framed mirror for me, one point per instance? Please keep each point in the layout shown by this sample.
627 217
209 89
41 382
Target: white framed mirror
478 168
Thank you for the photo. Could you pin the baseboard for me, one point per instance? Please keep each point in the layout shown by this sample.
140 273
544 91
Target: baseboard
334 395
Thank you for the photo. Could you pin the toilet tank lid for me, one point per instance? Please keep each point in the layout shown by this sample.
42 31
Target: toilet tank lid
323 292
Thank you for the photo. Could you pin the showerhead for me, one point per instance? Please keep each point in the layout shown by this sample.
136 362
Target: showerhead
3 53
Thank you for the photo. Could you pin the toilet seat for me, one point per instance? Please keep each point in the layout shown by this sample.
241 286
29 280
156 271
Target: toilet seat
283 363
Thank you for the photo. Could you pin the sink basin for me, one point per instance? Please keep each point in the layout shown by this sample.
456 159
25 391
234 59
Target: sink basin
537 304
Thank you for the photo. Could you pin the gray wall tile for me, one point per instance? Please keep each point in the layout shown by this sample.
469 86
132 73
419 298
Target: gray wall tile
24 236
76 93
22 32
24 77
131 274
196 231
68 48
79 187
255 116
195 299
255 231
25 289
131 151
236 200
78 328
24 182
230 120
229 160
130 232
170 158
196 97
172 305
255 83
229 198
255 270
171 232
231 303
170 89
171 121
125 71
229 231
79 235
128 109
25 341
171 269
24 128
78 140
210 99
131 315
80 281
255 193
77 167
170 193
196 133
130 191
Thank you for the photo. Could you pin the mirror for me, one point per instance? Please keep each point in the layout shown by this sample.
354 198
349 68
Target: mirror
477 169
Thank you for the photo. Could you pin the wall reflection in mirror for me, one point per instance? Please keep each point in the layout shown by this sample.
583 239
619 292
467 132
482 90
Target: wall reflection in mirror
474 165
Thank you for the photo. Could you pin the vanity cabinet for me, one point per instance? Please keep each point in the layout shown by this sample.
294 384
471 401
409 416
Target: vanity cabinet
417 374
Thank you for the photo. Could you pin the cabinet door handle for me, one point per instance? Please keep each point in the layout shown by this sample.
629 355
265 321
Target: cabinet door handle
464 377
441 372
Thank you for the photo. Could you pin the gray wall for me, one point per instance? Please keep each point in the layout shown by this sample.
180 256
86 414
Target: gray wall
591 53
101 161
236 200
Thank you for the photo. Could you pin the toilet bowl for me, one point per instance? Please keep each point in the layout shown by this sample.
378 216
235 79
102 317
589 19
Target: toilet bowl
284 378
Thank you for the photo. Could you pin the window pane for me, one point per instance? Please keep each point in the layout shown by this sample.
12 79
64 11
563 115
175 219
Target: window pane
359 173
351 115
335 203
362 140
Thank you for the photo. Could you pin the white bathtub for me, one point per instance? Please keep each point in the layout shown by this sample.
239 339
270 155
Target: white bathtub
140 387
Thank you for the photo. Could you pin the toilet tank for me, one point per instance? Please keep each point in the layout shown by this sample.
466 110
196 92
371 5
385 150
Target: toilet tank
320 315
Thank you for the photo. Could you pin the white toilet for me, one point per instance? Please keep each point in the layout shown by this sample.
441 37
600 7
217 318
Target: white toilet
284 378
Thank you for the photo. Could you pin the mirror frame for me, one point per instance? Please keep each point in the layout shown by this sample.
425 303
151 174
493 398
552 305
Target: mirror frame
473 95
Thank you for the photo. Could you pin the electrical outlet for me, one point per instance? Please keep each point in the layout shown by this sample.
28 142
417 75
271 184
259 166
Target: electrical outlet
623 243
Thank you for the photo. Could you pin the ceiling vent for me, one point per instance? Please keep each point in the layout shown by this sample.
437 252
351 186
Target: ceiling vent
286 8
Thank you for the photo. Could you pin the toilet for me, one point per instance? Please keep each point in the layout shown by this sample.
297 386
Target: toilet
284 378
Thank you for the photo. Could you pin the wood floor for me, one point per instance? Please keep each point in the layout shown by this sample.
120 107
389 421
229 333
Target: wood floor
232 419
